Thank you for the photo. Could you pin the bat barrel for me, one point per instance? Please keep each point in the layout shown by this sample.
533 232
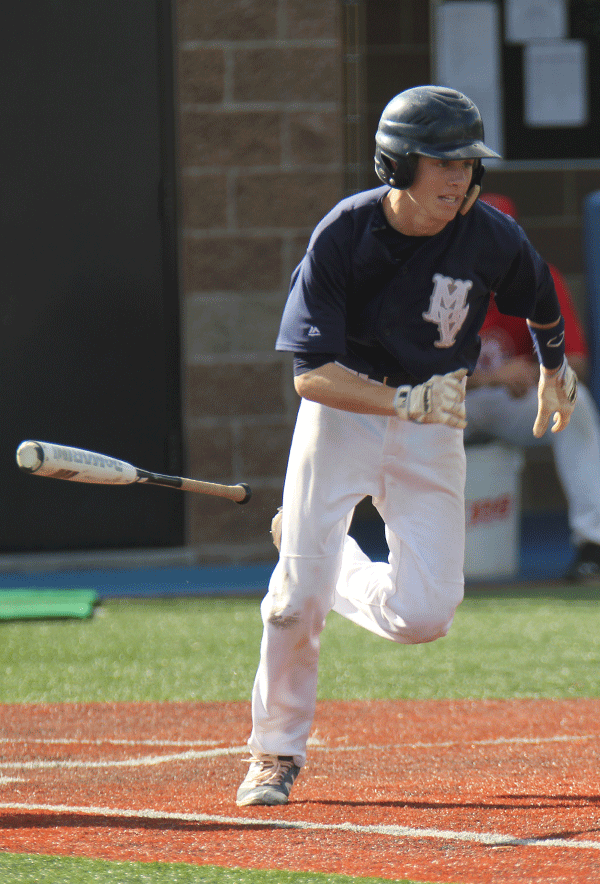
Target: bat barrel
73 464
30 456
79 465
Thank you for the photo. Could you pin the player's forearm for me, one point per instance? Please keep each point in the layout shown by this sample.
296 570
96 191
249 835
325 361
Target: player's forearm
549 344
336 387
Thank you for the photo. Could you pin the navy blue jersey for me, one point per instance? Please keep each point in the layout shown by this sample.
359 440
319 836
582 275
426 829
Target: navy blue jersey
388 303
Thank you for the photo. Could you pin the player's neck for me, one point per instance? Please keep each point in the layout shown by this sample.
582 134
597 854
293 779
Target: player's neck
407 217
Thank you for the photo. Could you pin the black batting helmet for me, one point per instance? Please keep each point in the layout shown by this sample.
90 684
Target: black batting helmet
428 121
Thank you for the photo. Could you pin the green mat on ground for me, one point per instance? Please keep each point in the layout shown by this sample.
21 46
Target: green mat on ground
20 604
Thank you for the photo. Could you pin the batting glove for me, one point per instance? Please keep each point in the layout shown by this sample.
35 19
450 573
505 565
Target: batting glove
440 400
557 395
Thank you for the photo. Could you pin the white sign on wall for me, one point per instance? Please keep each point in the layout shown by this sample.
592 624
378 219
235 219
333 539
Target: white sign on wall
467 58
527 20
555 83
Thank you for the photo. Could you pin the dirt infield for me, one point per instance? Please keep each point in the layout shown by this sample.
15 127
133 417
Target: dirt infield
464 791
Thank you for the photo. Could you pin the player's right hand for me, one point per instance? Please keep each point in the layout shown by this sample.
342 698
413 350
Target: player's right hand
557 395
440 400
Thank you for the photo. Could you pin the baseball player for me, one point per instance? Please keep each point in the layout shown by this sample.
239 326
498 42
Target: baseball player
383 316
501 400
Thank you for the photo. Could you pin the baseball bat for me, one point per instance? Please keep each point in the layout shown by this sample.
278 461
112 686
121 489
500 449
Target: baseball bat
79 465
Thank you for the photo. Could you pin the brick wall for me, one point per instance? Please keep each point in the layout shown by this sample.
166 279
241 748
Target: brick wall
260 164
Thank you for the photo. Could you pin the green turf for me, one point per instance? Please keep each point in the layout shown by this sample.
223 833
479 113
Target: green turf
24 869
538 642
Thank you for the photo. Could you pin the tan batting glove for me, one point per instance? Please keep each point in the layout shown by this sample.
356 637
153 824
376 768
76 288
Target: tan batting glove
440 400
557 395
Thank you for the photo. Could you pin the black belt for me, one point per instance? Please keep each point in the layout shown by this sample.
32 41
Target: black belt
394 380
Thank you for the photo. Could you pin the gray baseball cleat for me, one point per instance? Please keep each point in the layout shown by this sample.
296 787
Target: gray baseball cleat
269 780
276 528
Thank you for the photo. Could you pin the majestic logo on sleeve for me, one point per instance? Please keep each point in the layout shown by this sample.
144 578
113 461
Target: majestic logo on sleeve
448 307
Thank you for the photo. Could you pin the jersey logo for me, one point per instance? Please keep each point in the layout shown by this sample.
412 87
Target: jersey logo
448 307
314 332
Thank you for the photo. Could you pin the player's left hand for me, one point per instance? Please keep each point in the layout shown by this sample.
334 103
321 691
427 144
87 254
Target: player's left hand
440 400
557 395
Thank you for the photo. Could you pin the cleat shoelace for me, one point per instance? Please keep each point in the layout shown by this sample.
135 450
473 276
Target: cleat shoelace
268 771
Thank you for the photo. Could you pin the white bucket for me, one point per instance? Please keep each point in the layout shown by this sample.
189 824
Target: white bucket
493 508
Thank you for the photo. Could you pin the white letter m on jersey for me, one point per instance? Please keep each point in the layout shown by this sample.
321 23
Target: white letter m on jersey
448 307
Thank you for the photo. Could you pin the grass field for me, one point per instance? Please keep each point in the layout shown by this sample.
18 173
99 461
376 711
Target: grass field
536 641
539 641
57 870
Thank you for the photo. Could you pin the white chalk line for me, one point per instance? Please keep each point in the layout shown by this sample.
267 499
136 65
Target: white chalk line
447 744
144 761
490 839
108 741
193 755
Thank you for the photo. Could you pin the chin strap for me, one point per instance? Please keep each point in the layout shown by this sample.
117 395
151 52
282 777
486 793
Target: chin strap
470 199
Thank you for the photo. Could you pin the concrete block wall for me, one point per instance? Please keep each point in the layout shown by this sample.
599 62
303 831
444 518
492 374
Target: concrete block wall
260 163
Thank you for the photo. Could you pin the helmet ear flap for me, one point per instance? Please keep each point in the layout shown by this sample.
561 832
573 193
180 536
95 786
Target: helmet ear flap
397 172
478 171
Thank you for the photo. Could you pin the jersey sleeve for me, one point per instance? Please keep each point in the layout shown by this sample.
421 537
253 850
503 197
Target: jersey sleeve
314 317
527 289
304 362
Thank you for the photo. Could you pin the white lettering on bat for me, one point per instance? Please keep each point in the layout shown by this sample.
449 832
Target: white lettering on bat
86 458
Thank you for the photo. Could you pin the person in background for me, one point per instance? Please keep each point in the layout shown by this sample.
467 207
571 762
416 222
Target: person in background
501 402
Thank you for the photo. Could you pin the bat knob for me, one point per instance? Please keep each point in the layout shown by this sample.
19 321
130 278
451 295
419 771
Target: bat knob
248 491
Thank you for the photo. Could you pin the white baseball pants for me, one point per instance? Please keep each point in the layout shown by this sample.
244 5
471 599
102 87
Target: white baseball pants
416 475
493 412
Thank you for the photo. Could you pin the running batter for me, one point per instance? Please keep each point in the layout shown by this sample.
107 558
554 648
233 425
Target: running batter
383 317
